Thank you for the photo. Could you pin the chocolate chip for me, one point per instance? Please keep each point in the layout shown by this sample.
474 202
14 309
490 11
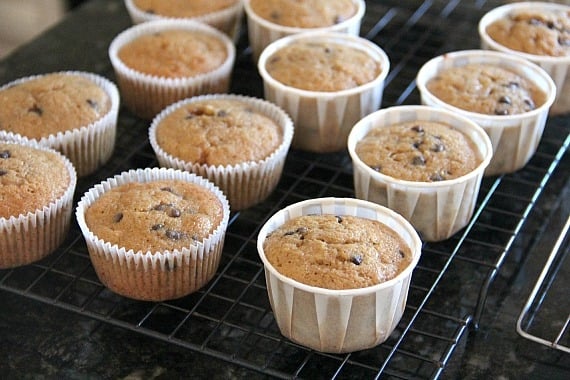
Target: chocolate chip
550 25
418 161
378 168
301 231
275 15
356 259
150 11
37 110
5 154
417 144
3 172
505 100
529 103
173 212
564 41
118 217
157 227
174 235
438 147
92 103
435 177
168 189
402 254
339 219
327 50
338 19
418 129
222 113
501 111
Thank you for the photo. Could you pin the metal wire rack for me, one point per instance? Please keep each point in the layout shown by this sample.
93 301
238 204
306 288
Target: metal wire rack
231 319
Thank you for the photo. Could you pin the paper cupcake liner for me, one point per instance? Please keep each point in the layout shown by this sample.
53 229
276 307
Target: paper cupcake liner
25 239
245 184
557 67
87 147
338 321
436 209
160 275
514 137
146 95
226 20
262 32
323 120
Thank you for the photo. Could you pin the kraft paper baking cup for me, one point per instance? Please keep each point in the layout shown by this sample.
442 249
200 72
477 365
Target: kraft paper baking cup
146 95
557 67
27 238
153 276
514 137
88 147
323 120
244 184
227 20
338 321
262 32
437 210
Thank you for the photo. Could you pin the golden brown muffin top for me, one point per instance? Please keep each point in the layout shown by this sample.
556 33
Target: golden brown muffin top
52 103
419 151
174 53
155 216
322 66
218 132
30 179
182 8
304 13
337 252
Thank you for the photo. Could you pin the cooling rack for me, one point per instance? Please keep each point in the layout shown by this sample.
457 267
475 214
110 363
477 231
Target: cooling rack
231 319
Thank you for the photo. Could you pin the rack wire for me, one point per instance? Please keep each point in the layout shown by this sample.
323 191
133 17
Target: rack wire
231 319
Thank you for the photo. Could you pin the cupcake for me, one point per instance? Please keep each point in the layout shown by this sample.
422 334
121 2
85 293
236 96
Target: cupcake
357 300
224 15
154 234
72 112
535 31
270 20
158 63
424 163
37 185
239 143
508 96
326 82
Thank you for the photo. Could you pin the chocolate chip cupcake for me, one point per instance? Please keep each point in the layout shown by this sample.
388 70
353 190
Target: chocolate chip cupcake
72 112
240 143
37 185
423 162
154 234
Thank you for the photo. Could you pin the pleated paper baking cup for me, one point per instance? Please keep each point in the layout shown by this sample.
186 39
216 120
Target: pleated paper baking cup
244 184
323 120
30 237
558 67
153 276
437 210
338 321
262 32
515 138
146 95
88 147
227 20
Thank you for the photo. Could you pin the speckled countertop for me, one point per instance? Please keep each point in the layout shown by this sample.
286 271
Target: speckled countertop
39 340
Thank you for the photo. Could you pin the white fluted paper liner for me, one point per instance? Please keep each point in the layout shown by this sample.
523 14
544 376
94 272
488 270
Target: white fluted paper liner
153 276
557 67
338 320
437 210
323 120
25 239
262 32
244 184
88 147
226 20
146 95
514 137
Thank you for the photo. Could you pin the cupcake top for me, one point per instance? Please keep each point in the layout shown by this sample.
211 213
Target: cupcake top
218 132
51 103
337 252
157 216
486 89
30 179
539 32
419 151
322 66
305 13
183 8
174 53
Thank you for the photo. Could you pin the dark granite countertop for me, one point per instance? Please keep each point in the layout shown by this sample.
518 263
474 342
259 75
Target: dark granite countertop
40 339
